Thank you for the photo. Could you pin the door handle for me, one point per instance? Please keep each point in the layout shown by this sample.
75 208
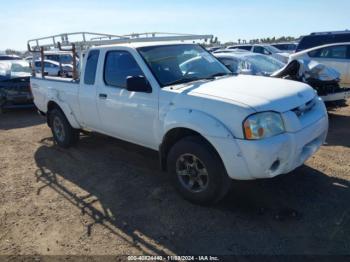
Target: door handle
102 96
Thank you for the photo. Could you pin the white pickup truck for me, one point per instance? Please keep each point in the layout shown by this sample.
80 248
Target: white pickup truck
208 125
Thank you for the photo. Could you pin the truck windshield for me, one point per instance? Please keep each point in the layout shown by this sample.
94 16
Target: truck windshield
181 63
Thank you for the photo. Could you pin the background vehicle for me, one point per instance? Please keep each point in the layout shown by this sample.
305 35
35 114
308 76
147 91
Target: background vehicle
322 38
336 56
322 78
60 57
213 48
271 51
229 50
245 47
208 126
249 63
14 84
9 57
286 47
53 68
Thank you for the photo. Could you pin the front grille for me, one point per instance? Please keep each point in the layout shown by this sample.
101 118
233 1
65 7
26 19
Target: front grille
303 109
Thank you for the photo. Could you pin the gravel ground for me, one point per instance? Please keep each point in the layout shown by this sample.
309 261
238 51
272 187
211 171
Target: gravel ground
107 196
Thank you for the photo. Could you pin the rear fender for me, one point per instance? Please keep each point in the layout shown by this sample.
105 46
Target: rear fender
66 109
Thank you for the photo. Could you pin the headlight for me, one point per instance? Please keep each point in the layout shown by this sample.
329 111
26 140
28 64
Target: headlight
263 125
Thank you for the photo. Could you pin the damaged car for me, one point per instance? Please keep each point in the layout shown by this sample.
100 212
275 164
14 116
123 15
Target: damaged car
322 78
15 84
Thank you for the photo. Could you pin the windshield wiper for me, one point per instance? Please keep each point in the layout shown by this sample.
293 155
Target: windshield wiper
219 74
183 81
191 79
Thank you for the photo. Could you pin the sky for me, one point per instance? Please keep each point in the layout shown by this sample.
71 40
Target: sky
229 20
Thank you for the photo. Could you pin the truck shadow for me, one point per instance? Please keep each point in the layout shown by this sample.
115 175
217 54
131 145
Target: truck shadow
20 118
118 186
339 130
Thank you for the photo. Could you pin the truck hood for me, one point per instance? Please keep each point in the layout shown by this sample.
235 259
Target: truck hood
259 93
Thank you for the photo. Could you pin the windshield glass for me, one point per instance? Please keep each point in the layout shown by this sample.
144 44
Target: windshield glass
263 64
181 63
12 69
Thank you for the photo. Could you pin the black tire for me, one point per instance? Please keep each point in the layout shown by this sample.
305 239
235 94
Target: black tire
68 136
217 182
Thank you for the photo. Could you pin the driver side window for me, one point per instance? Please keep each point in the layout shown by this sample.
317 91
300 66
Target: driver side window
119 65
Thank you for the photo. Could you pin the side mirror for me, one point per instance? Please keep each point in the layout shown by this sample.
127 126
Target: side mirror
138 84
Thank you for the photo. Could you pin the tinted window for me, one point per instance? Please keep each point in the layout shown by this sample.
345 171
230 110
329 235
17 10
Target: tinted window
91 66
52 57
336 52
258 49
317 40
286 47
37 64
245 47
120 65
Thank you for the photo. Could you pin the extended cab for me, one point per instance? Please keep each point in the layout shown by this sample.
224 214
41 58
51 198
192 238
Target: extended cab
208 125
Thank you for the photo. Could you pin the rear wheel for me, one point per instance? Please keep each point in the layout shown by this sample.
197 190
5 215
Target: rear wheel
64 134
197 171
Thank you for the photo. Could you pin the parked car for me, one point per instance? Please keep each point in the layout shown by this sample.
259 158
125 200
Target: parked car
14 84
323 79
245 47
63 57
286 47
322 38
53 68
9 57
213 48
336 56
229 50
270 50
208 125
249 63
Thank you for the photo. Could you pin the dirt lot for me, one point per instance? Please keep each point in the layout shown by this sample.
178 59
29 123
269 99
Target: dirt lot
106 196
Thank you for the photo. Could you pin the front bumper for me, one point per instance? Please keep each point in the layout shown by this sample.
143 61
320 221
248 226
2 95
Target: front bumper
267 158
282 154
341 95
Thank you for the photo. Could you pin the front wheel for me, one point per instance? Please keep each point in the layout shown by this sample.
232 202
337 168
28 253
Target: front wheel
64 134
197 171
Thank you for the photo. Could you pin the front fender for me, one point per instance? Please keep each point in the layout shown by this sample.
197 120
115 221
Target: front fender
197 121
215 132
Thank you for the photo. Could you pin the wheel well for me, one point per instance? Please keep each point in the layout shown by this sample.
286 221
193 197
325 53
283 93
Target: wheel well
50 106
171 138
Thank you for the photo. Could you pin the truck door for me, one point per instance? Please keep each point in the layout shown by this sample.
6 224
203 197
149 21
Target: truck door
128 115
88 93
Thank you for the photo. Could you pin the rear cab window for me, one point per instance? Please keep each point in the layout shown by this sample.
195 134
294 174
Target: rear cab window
91 67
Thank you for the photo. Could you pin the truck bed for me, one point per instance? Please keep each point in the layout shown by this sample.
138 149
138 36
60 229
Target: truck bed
60 89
